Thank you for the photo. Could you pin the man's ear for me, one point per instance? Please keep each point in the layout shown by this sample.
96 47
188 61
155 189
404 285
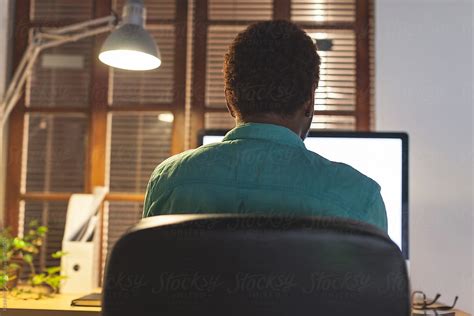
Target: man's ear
309 106
229 108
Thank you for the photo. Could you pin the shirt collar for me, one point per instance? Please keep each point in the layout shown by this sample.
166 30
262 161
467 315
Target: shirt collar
269 132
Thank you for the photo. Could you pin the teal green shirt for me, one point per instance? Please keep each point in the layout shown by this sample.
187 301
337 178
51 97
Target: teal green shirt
262 169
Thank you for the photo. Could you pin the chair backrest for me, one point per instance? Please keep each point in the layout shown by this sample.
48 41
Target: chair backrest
249 265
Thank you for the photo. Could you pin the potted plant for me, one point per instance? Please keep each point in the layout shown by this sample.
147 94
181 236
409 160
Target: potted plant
18 253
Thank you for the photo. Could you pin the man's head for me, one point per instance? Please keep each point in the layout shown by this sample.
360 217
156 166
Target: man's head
271 72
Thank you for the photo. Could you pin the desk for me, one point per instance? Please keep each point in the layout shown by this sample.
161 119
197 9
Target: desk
60 305
461 313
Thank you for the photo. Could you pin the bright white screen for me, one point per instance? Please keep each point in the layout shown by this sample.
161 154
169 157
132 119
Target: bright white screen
378 158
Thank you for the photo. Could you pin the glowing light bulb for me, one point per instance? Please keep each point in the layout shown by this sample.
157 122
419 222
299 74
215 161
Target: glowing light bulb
129 59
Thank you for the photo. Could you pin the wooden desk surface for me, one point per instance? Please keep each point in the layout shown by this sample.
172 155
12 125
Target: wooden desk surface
461 313
57 305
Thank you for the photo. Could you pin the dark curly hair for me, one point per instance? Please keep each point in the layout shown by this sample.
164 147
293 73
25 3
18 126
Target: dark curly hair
271 66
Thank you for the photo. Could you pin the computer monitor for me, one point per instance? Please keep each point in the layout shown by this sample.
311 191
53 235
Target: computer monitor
381 156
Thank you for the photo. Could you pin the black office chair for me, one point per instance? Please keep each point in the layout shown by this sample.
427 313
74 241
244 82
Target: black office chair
245 265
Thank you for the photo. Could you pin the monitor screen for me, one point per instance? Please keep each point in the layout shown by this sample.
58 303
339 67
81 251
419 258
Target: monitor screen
381 156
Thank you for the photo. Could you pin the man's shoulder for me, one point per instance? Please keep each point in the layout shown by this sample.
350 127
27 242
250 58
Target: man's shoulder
353 174
174 162
344 176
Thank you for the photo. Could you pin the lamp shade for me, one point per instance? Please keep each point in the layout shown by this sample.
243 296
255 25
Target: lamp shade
130 47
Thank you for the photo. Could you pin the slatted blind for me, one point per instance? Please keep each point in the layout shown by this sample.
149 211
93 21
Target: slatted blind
60 10
372 61
55 142
323 10
336 89
155 9
337 84
55 152
147 87
61 76
53 215
52 164
248 10
120 216
218 40
138 143
335 122
219 120
222 120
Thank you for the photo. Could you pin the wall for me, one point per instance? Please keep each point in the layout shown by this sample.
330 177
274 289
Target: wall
424 86
5 10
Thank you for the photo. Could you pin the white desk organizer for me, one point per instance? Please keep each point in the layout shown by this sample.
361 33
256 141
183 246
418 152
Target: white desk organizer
81 243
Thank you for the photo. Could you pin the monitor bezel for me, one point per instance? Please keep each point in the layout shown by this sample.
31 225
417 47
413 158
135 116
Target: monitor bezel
355 134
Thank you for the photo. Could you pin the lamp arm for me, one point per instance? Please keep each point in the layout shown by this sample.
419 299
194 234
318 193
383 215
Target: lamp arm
14 90
59 40
42 39
111 19
12 86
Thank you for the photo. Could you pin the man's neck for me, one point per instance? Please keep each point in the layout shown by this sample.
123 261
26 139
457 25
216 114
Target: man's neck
275 120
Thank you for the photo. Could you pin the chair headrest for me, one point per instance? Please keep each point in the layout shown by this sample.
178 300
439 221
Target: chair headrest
236 265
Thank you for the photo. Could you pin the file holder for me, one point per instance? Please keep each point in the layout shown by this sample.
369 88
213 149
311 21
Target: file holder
81 241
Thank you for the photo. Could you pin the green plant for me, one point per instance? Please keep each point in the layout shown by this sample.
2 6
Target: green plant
50 276
17 252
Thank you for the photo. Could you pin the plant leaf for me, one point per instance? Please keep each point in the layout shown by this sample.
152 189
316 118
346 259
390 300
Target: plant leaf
58 254
18 243
53 270
42 230
14 266
33 223
28 258
37 279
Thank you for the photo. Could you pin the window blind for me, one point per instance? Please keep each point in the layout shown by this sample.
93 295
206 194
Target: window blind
155 9
138 143
61 76
248 10
119 217
55 142
60 10
323 10
218 40
337 85
53 215
372 62
54 149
